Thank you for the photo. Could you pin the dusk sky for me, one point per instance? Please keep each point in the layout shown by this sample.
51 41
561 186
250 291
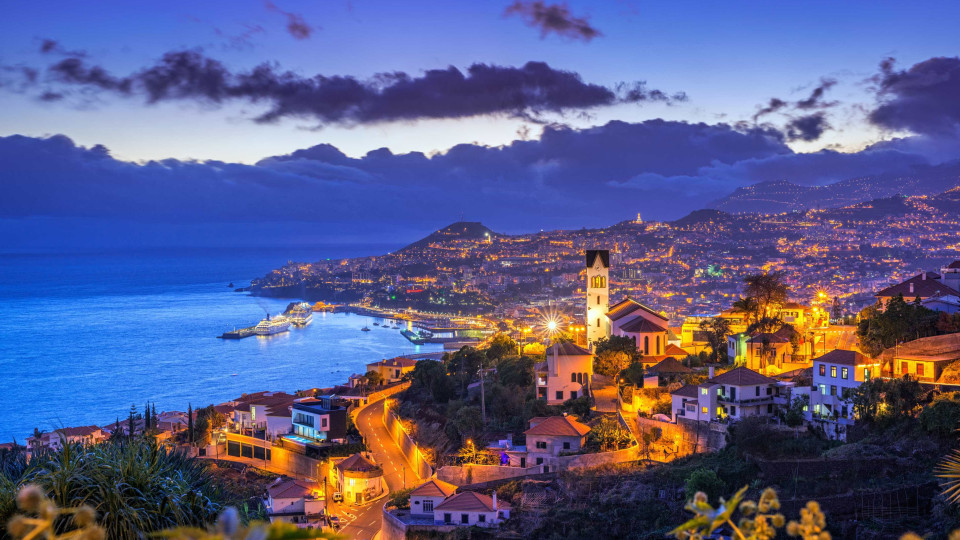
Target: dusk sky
370 120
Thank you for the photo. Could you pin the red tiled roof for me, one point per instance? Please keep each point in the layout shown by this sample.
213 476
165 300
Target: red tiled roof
688 391
471 501
674 351
557 426
434 488
742 376
842 357
291 489
954 264
357 462
565 348
668 365
932 286
641 325
81 431
628 306
399 362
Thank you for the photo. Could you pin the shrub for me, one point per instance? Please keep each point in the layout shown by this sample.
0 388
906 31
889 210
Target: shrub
706 481
942 416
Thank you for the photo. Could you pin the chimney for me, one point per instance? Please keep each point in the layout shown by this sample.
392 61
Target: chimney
494 501
923 275
911 288
710 372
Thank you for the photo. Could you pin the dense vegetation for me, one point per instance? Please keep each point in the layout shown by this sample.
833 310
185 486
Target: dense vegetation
135 485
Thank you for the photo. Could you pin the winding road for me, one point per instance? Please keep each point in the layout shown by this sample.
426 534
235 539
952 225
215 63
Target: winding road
396 471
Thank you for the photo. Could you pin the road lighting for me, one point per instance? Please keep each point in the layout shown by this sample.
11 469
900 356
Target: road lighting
221 438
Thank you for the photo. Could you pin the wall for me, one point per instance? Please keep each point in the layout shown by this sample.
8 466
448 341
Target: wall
281 460
683 438
409 448
395 529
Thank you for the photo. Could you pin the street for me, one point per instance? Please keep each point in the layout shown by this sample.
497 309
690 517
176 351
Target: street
396 471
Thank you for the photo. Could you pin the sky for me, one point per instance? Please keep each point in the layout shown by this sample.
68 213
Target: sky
319 121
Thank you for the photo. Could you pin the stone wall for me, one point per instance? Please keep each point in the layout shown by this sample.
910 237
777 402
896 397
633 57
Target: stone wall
407 446
683 438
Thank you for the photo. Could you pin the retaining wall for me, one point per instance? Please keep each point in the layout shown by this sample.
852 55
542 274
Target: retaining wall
409 448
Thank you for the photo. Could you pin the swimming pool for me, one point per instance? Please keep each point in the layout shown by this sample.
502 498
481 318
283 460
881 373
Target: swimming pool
298 439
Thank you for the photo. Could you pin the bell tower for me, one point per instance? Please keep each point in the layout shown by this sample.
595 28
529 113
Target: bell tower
598 295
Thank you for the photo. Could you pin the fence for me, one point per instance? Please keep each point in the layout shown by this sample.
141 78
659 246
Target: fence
409 448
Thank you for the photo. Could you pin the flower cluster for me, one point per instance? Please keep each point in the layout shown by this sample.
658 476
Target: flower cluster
41 517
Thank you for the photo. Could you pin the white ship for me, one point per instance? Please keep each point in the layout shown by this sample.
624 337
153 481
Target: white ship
268 326
301 314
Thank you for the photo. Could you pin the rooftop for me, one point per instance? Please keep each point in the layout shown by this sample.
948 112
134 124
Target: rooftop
742 376
556 426
471 501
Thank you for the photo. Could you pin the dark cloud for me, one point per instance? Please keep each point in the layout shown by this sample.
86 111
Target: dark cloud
52 46
528 91
815 100
924 99
565 178
555 18
297 26
774 105
807 128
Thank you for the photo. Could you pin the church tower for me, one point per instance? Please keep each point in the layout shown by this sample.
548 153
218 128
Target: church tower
598 295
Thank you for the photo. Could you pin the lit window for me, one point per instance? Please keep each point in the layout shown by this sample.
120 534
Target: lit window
704 391
823 370
705 410
833 371
866 374
844 373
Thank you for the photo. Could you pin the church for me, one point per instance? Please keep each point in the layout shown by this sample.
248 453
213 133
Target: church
627 318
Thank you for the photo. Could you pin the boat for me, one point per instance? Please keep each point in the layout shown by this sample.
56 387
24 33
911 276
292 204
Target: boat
376 324
230 285
364 329
301 314
268 326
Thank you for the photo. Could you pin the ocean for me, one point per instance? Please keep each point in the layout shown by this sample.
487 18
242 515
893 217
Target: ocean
83 336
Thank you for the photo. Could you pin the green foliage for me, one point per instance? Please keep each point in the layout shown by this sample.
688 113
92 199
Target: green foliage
373 378
608 435
501 346
611 362
942 416
579 407
899 322
717 329
633 374
794 414
706 481
430 377
767 289
134 485
886 399
516 371
465 423
401 499
617 343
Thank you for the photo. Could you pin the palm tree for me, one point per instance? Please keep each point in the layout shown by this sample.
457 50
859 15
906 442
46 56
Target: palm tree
949 471
36 443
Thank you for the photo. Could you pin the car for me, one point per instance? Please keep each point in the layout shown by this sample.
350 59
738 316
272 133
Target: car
337 496
335 522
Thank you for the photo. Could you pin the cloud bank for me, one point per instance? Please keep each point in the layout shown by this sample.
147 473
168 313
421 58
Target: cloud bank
528 91
924 99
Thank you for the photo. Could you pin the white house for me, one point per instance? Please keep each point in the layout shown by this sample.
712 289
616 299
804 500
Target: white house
949 303
566 374
733 395
359 479
470 508
428 495
295 501
63 436
311 419
835 374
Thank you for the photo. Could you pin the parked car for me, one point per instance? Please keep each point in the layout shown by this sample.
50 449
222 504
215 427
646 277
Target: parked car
335 522
337 496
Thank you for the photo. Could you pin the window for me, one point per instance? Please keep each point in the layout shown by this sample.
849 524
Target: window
539 461
866 374
823 389
845 373
833 390
427 506
823 370
919 370
844 412
904 368
769 391
573 394
758 390
560 394
465 519
542 444
598 299
482 518
646 344
573 377
566 445
833 371
704 410
447 518
658 344
733 411
770 408
323 422
704 391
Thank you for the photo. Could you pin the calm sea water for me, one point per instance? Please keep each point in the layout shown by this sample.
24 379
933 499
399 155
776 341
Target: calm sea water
84 336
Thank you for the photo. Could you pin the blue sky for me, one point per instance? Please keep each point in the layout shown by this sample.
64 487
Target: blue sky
486 108
727 56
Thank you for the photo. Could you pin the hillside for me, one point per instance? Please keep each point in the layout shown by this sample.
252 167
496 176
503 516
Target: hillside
461 230
784 196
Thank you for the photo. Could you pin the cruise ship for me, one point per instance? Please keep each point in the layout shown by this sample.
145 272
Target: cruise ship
301 314
268 326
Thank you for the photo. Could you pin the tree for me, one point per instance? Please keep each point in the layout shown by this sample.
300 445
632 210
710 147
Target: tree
501 346
749 307
608 434
153 415
617 343
466 423
430 377
794 416
190 423
837 310
146 417
705 481
898 322
633 374
717 329
942 416
768 289
880 399
516 371
131 420
37 441
374 378
611 362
